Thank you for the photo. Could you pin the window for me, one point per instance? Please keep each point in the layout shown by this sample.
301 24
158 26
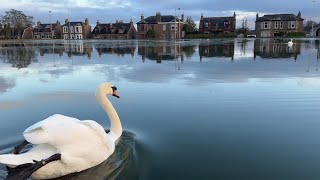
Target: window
79 36
71 29
65 29
78 29
164 27
206 24
65 36
226 24
281 25
291 24
265 25
142 27
276 25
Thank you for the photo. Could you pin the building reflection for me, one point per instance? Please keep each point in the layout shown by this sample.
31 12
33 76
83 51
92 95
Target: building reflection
118 50
161 52
216 50
276 48
78 48
50 48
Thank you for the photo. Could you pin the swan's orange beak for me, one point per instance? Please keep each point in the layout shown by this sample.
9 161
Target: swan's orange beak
115 94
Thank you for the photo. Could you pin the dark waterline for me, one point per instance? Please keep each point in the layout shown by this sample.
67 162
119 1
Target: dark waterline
199 109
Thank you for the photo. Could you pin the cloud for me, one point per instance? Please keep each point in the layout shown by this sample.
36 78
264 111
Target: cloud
6 84
44 97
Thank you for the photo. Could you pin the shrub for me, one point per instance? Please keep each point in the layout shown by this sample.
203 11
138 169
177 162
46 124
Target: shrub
296 34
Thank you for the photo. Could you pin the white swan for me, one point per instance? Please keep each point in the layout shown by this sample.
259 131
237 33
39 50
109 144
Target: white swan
82 144
290 43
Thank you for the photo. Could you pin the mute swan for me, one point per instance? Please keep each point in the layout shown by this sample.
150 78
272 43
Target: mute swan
64 145
290 43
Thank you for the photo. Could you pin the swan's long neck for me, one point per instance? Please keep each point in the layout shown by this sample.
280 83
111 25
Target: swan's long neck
116 128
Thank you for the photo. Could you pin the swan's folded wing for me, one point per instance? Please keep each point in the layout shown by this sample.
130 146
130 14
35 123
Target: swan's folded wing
43 131
100 131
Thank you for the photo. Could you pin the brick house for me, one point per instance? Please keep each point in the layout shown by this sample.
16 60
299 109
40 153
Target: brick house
76 30
118 30
47 30
272 25
160 27
216 25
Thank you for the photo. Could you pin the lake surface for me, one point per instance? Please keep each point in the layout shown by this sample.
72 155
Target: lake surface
194 109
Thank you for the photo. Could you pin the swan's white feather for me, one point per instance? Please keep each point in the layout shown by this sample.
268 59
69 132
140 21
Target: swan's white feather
82 144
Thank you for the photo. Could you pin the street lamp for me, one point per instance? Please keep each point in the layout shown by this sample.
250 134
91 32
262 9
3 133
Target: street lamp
179 24
50 25
314 7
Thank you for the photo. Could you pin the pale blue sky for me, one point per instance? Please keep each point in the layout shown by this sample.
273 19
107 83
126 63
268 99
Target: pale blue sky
111 10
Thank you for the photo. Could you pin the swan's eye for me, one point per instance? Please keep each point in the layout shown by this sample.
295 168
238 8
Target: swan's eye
114 88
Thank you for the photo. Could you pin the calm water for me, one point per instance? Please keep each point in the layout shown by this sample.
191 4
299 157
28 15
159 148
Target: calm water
201 109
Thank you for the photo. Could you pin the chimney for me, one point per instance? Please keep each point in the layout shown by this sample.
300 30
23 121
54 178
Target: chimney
131 22
38 23
66 21
86 21
234 15
182 17
158 17
201 16
98 23
142 17
257 17
110 25
299 14
120 21
58 23
117 21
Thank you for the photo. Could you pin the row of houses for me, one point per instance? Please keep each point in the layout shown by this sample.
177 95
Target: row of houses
163 27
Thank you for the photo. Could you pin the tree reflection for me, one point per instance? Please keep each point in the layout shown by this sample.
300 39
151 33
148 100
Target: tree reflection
189 50
18 55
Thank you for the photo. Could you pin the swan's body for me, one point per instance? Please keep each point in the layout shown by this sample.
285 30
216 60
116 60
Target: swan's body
290 43
82 144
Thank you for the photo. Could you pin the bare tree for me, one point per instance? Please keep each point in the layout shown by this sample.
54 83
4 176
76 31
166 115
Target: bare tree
15 22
